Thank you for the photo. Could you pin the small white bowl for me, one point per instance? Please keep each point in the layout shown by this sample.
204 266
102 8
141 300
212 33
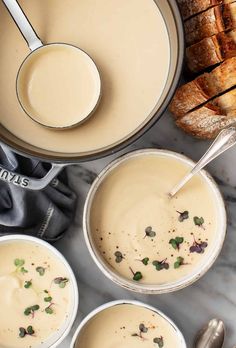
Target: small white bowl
99 309
60 335
203 266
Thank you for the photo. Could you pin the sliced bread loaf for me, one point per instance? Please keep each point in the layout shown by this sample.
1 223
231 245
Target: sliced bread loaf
211 51
204 87
211 22
189 8
208 120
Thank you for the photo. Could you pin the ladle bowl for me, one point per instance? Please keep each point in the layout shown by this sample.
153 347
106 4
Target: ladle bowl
38 100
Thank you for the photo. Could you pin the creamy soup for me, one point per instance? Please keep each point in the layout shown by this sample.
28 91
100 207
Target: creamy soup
34 294
129 44
128 325
143 234
58 85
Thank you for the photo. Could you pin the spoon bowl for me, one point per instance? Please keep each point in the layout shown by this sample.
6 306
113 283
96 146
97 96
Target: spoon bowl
212 335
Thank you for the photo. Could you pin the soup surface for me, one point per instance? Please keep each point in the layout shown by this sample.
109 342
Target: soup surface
34 294
129 44
58 85
124 329
142 233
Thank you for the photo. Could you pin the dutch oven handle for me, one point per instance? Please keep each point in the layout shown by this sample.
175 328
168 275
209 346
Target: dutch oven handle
27 182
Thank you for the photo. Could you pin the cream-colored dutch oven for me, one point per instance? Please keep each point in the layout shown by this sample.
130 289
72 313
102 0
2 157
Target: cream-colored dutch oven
45 18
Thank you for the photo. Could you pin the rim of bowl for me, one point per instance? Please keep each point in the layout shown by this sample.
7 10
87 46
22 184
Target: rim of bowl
58 254
107 305
203 266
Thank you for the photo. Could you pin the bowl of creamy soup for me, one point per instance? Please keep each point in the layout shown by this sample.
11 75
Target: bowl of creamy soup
38 294
142 239
139 59
127 323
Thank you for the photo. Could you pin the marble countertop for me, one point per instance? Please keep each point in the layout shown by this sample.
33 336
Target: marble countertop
214 295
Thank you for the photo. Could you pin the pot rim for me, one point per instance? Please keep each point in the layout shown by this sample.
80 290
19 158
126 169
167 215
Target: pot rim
74 157
60 256
107 305
153 288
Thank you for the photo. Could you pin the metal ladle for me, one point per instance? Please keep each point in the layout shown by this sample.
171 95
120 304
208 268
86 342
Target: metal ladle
225 140
36 45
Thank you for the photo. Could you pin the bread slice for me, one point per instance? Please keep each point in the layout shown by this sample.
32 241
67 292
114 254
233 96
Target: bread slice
208 120
211 51
189 8
211 22
204 87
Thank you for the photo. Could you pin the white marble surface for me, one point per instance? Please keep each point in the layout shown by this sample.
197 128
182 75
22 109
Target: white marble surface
212 296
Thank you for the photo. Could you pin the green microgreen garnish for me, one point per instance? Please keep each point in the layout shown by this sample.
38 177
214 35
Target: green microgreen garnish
61 281
40 270
175 242
145 261
23 332
179 262
28 284
142 329
19 263
23 270
199 221
119 256
136 275
159 341
31 310
49 310
48 299
183 216
30 330
149 232
160 265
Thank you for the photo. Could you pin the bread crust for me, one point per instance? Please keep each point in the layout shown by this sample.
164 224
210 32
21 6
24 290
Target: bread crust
211 22
211 51
203 88
189 8
208 120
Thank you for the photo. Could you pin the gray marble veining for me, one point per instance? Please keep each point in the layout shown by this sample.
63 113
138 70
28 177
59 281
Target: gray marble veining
212 296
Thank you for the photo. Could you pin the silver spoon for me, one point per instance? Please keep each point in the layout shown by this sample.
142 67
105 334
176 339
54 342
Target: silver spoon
211 336
225 140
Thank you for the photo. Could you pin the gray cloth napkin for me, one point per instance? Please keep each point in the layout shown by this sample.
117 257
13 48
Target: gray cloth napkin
45 214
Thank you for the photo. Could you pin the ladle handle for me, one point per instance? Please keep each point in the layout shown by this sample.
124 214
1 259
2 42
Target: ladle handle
225 140
23 24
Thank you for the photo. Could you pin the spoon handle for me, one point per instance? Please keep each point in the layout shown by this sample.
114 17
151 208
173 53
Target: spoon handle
23 24
225 140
